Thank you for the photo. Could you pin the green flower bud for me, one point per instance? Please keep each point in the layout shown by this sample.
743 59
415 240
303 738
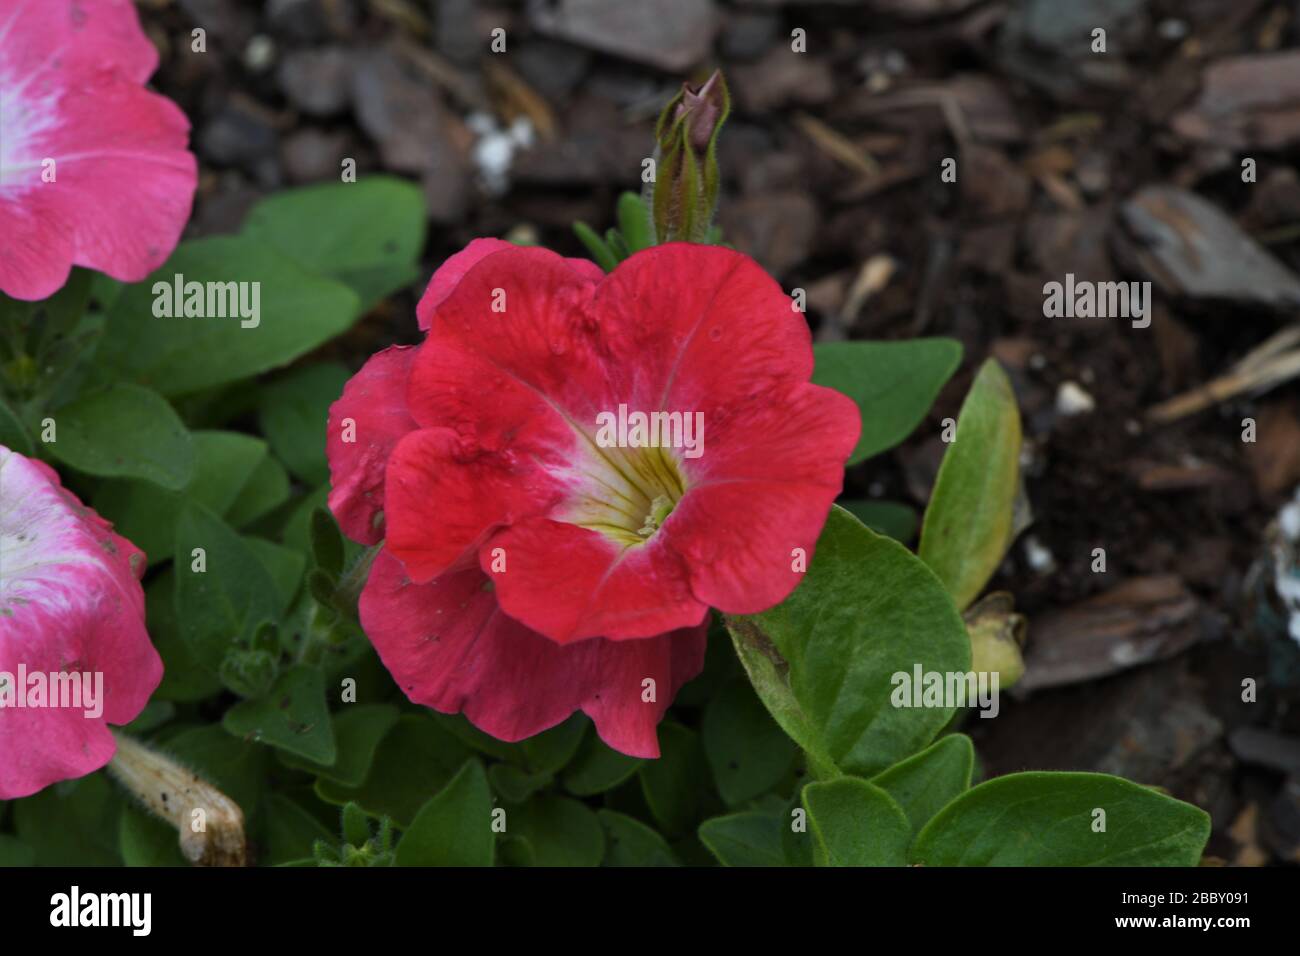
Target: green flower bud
685 192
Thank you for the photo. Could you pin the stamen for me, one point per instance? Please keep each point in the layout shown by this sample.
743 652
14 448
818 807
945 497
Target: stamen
660 509
627 493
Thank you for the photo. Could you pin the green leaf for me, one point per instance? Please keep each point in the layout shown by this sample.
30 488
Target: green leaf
671 784
124 432
455 827
893 383
184 678
72 823
293 411
744 839
553 831
514 784
922 784
60 313
155 714
596 246
14 852
146 514
12 433
358 730
297 311
796 843
1051 819
823 661
597 768
417 758
266 489
971 519
356 827
460 728
291 832
634 222
148 841
293 716
366 234
629 842
223 604
550 750
284 565
890 518
297 529
855 823
748 751
326 542
614 239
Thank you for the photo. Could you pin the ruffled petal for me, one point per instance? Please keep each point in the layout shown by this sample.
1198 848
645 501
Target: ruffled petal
572 583
453 269
758 497
70 603
700 329
364 427
450 647
123 181
44 40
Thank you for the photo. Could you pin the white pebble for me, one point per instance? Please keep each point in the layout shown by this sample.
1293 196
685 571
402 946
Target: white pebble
1071 399
1039 556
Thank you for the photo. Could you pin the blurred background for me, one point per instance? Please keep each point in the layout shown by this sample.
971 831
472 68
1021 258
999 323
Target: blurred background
1169 158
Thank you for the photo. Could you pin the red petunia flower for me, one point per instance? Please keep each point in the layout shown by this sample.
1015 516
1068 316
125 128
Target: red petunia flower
74 653
531 565
93 168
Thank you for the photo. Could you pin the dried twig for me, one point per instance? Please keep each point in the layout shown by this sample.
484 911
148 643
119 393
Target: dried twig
1268 365
838 146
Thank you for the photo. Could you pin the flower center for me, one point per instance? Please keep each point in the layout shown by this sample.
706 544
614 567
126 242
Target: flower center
626 493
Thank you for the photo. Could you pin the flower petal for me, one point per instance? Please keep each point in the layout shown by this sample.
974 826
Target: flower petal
450 647
42 40
453 269
374 403
122 189
444 494
572 583
498 446
758 497
70 602
699 328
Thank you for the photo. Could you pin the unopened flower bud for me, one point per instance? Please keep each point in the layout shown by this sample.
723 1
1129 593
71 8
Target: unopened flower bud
685 194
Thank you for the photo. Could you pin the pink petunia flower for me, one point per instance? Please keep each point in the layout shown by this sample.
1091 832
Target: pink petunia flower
74 654
94 169
531 567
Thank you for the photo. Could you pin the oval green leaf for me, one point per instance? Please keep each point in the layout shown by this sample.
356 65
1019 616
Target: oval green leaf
893 383
455 827
922 784
124 431
824 660
181 354
971 519
1063 819
855 823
